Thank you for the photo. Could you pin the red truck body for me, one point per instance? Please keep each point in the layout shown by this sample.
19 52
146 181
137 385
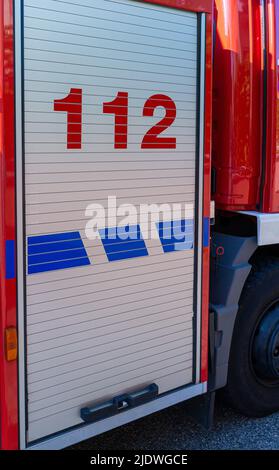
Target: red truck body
270 198
245 106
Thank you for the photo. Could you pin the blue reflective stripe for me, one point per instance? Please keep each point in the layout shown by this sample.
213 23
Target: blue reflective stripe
168 231
176 223
56 251
119 245
127 254
55 237
10 259
178 246
206 232
130 245
116 234
57 256
54 246
168 240
40 268
182 246
176 235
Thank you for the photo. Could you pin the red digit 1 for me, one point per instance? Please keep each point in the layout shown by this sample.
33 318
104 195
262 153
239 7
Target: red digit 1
72 105
119 107
151 139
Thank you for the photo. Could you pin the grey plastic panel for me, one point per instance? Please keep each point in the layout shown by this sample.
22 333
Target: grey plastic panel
267 227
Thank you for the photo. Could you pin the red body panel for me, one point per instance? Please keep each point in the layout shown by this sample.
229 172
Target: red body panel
245 152
8 370
271 169
9 424
237 104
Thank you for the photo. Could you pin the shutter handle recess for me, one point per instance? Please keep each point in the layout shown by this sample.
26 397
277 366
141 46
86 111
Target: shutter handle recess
119 404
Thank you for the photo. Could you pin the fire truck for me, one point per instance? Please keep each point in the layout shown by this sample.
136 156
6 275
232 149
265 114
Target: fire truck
148 103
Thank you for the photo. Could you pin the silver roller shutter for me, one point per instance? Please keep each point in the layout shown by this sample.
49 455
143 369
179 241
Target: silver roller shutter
99 328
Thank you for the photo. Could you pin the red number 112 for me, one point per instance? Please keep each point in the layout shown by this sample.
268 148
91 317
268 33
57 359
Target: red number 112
72 105
119 107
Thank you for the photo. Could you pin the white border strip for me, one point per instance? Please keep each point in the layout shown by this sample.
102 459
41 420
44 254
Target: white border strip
20 221
69 438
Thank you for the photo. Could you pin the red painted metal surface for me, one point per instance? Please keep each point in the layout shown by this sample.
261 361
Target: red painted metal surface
237 104
72 105
275 202
271 170
8 370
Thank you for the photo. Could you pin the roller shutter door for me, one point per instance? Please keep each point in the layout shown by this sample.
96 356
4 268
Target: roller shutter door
105 318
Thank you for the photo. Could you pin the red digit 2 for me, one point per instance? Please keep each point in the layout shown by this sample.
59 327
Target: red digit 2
72 105
151 139
119 107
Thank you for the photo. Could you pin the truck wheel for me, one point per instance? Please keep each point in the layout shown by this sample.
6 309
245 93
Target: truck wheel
253 379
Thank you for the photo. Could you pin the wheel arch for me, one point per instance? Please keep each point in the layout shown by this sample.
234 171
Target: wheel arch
265 252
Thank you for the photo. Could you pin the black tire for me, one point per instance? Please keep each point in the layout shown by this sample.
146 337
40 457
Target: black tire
245 391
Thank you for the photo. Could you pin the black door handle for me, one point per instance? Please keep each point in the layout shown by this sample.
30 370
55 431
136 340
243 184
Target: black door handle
119 404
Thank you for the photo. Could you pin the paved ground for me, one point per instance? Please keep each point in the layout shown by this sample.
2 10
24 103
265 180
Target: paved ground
172 430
